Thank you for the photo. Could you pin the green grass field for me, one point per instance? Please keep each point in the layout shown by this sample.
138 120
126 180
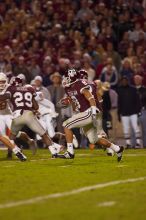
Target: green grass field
28 190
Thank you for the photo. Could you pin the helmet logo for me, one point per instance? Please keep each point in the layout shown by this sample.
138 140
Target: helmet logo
72 72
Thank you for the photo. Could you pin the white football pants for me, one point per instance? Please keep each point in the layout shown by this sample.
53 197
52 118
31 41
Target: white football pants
46 122
5 122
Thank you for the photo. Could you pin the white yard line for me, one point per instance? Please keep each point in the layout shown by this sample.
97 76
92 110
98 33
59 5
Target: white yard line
3 148
106 204
122 165
69 193
43 159
65 166
135 155
9 166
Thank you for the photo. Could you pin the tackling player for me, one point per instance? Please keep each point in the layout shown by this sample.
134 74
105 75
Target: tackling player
88 113
47 114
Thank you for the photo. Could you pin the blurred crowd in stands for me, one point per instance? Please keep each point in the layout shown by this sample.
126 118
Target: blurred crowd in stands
107 38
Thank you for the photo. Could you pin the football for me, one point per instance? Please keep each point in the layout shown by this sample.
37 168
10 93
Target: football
66 101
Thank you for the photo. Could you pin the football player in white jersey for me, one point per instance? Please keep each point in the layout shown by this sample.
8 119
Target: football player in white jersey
47 111
46 118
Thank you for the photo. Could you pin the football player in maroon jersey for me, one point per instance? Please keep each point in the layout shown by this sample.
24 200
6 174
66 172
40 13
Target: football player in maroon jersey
5 112
25 110
88 113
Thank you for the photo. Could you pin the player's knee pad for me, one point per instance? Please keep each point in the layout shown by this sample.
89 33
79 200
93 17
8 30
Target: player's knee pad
92 136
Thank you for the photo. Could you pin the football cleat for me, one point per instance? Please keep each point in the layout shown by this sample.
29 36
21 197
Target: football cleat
66 155
54 156
21 156
120 153
110 152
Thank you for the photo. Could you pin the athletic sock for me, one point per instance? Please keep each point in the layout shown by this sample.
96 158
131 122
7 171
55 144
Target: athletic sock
52 149
16 150
115 148
70 148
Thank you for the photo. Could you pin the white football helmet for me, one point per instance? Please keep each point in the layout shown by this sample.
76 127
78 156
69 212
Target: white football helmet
69 77
3 81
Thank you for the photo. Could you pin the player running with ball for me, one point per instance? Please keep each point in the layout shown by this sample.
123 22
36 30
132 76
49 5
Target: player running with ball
82 95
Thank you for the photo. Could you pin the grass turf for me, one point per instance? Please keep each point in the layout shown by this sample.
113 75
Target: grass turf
40 176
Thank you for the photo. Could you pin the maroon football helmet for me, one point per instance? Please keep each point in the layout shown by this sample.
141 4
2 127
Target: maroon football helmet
16 81
69 77
83 74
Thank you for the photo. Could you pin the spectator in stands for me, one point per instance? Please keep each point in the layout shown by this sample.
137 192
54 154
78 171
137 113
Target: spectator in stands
39 87
141 90
33 67
94 28
126 70
109 74
128 110
85 11
114 55
124 44
138 70
101 65
57 92
22 68
87 66
130 54
2 61
134 35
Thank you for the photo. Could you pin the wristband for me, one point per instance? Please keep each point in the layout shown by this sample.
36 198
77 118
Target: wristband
93 110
